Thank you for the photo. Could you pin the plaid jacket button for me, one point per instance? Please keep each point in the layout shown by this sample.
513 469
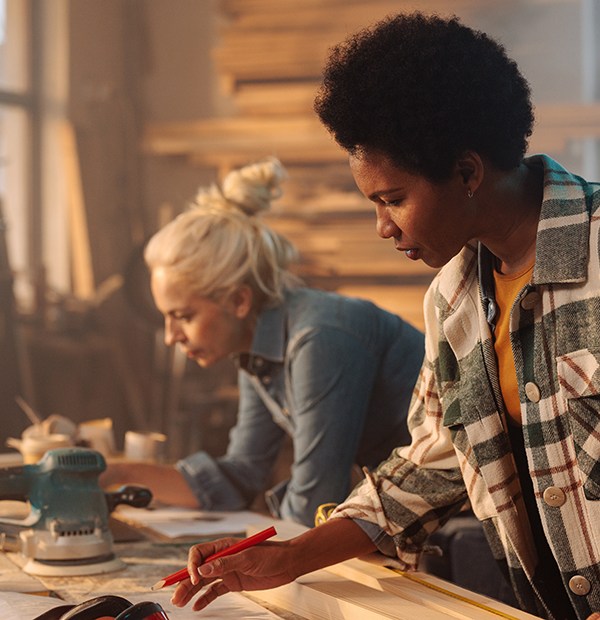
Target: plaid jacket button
579 585
530 300
553 496
533 392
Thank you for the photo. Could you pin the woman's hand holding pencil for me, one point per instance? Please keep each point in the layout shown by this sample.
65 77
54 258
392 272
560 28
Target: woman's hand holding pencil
246 543
267 565
207 563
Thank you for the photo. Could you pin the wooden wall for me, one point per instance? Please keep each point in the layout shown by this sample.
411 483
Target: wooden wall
268 57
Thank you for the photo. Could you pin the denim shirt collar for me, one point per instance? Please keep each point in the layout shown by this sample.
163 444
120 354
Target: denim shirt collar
269 342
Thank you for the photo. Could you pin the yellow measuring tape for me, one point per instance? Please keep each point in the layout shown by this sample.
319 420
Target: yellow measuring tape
323 511
465 599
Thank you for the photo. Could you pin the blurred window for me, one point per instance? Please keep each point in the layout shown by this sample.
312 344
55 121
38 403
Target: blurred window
14 45
33 95
16 139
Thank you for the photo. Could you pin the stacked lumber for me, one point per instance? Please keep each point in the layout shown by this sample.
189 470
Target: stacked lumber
298 137
290 40
269 56
341 251
230 142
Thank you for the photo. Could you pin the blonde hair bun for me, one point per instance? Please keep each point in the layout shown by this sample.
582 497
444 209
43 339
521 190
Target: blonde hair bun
250 189
216 246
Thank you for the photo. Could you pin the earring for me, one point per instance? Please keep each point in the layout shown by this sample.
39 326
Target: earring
469 193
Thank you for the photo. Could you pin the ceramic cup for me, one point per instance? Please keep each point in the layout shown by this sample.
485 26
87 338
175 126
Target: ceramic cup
99 435
145 446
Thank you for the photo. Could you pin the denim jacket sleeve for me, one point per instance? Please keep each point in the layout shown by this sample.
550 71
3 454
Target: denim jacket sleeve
231 482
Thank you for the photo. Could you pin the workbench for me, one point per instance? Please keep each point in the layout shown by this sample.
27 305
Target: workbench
371 588
359 589
146 562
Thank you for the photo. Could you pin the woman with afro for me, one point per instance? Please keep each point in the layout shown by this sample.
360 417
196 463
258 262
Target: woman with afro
435 118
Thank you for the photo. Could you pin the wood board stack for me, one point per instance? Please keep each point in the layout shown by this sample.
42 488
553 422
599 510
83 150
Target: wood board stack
269 57
266 39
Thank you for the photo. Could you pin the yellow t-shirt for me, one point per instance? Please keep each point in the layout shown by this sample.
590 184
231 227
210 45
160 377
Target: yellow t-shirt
507 288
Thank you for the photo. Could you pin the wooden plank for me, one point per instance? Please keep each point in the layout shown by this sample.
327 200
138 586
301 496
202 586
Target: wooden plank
356 262
323 595
263 40
269 13
557 124
81 254
217 140
234 141
352 593
426 590
353 243
289 99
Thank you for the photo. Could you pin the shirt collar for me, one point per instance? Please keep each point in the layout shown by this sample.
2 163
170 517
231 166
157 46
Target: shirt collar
269 335
562 242
562 239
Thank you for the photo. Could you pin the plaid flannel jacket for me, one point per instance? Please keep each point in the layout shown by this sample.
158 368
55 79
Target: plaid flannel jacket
460 451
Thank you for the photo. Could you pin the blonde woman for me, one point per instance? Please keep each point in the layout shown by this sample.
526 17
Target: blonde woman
334 373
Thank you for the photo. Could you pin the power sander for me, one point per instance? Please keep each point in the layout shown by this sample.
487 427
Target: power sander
58 516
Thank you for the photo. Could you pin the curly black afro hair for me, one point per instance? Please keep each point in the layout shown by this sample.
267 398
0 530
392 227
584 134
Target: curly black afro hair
423 90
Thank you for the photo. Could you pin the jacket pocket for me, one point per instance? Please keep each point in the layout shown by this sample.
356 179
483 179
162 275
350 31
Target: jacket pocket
579 379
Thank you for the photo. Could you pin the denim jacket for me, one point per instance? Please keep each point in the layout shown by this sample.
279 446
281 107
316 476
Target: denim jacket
334 373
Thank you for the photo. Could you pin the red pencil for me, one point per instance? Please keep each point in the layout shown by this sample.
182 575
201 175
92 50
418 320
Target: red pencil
182 574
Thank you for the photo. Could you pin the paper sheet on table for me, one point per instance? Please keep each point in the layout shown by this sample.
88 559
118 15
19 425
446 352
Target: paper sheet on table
188 523
14 606
17 606
13 579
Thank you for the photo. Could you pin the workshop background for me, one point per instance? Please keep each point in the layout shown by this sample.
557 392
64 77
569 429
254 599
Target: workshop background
113 113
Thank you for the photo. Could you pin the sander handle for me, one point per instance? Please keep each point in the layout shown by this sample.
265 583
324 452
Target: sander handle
15 483
131 494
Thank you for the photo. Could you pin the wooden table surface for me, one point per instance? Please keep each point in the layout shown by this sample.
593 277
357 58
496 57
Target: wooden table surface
146 562
355 589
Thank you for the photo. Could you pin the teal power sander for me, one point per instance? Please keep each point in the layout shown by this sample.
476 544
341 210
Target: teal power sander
58 514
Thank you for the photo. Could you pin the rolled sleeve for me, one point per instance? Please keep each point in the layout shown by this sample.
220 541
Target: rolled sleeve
384 542
212 489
